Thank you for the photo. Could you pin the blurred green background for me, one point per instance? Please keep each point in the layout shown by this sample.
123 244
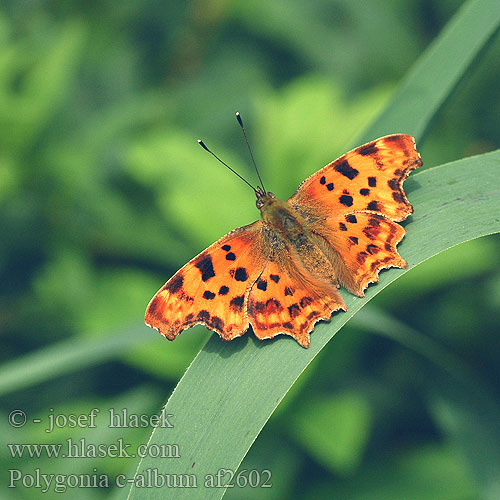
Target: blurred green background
104 193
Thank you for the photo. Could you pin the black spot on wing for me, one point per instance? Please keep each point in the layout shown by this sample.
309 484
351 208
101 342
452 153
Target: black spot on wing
237 302
259 307
274 277
203 316
346 170
289 291
373 229
206 267
305 301
368 149
223 290
230 256
293 310
346 200
396 139
361 257
393 184
372 182
174 284
373 205
322 180
364 192
241 274
397 196
273 306
208 295
262 285
226 248
217 323
371 232
342 226
153 306
351 218
330 186
354 239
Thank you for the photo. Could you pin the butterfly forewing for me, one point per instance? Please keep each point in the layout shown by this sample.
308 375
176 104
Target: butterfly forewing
212 289
368 178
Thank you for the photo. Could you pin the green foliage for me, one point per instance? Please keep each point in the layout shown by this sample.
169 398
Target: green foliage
344 418
104 193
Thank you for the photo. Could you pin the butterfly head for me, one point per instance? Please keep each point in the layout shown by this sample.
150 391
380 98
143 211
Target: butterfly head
263 198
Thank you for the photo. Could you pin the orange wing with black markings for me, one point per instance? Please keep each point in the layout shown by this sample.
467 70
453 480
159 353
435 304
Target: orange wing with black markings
353 204
281 274
364 243
288 300
368 178
212 289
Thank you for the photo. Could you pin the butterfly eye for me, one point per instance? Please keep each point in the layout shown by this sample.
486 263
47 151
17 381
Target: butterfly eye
259 203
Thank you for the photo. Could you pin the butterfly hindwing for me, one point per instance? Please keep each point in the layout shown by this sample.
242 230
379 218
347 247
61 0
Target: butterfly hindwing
363 244
287 299
212 289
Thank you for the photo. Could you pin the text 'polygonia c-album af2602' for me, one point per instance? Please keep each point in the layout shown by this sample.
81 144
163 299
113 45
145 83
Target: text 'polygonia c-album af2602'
281 274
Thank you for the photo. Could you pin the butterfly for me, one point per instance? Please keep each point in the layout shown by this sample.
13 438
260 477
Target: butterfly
281 274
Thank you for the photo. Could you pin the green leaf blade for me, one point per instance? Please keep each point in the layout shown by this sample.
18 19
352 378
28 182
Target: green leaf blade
231 389
433 78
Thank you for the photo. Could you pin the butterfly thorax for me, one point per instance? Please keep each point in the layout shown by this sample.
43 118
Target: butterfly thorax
292 231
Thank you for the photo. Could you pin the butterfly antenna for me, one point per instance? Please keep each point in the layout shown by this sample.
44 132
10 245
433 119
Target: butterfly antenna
240 121
202 144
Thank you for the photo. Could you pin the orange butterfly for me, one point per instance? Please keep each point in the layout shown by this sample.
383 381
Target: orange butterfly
281 274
